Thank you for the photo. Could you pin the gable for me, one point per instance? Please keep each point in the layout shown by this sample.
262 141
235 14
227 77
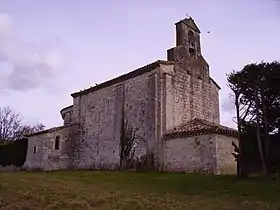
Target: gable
190 22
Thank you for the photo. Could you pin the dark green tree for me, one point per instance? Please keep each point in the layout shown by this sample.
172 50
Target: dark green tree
256 94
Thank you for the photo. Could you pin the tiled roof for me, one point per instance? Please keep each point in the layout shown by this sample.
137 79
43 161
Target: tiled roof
65 108
51 130
124 77
197 127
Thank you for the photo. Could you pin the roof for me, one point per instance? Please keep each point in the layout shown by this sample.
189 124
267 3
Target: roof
127 76
197 127
124 77
190 22
65 108
50 130
215 83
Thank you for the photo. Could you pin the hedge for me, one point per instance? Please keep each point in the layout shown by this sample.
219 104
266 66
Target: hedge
13 153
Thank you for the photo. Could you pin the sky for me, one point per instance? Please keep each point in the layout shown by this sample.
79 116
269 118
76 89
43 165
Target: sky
50 49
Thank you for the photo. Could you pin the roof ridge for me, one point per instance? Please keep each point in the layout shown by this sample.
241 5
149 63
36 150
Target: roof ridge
136 72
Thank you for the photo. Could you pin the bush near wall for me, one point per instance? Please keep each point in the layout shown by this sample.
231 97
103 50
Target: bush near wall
13 153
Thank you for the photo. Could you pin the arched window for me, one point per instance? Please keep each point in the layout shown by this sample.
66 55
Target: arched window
57 143
191 39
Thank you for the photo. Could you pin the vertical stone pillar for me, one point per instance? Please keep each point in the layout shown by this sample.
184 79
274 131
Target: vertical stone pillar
159 117
119 114
77 133
168 102
150 115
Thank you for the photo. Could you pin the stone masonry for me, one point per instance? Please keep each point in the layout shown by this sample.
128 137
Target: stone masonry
154 99
200 146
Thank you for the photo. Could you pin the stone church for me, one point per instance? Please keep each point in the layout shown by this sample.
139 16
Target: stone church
173 104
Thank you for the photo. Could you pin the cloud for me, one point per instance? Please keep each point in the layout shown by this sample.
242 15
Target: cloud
228 104
32 64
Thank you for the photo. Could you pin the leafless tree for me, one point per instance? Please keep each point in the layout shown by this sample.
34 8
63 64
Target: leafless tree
9 123
11 126
28 129
128 143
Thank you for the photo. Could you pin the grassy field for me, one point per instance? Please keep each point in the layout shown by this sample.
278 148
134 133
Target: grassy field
114 190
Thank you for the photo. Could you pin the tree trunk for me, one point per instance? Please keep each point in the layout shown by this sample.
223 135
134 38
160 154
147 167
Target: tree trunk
123 164
240 168
266 131
260 146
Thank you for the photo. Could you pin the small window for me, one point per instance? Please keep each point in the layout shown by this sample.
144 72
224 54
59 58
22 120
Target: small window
57 143
34 150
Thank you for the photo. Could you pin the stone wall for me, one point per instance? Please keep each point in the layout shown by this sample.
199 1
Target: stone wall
35 161
152 103
190 88
192 154
46 157
66 114
195 95
99 114
226 163
211 153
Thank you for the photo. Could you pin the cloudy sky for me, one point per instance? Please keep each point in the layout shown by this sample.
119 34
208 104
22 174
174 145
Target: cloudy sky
50 49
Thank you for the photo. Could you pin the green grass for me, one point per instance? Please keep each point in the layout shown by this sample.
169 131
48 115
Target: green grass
114 190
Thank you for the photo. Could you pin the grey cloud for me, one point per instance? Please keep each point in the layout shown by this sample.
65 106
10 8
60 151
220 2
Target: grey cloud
33 64
228 104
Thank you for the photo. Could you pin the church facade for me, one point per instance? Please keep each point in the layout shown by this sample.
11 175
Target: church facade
173 105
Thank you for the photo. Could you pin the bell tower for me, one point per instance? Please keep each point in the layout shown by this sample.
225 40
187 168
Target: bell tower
195 93
187 37
188 34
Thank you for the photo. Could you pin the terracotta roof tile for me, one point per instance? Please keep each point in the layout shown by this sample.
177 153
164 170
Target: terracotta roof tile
197 127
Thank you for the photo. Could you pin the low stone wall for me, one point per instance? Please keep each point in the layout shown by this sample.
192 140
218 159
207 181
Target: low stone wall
211 153
192 154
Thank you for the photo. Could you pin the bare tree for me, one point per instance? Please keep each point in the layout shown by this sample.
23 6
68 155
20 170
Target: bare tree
28 129
128 143
9 123
11 126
